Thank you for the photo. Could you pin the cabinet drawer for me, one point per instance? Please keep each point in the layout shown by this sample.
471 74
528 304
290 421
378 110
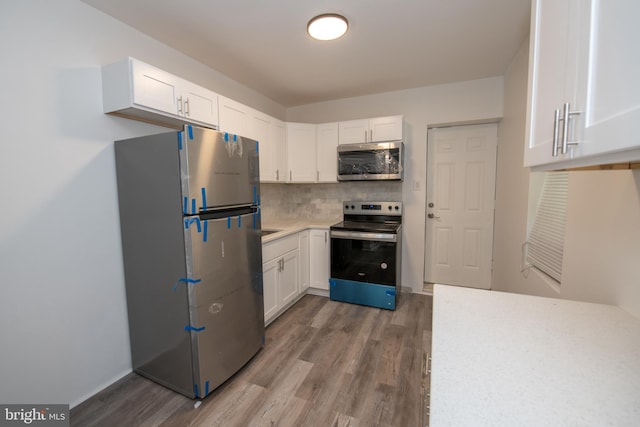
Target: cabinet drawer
279 247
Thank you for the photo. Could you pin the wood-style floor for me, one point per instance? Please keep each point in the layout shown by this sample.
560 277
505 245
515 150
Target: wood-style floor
325 363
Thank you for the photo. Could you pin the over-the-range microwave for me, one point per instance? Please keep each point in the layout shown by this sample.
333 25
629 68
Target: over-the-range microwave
371 161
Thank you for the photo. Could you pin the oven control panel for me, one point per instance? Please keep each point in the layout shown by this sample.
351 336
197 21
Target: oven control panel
372 208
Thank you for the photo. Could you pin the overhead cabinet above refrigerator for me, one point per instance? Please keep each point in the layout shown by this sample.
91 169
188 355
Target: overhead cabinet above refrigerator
190 222
136 90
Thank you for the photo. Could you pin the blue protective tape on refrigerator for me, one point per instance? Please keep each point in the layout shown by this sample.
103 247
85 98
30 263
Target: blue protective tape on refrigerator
255 195
226 137
254 220
228 222
193 206
189 221
206 387
235 138
204 230
180 140
257 148
190 130
194 329
187 281
185 203
195 390
204 197
239 221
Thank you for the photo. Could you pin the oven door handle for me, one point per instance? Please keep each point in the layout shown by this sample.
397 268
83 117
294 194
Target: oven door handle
359 235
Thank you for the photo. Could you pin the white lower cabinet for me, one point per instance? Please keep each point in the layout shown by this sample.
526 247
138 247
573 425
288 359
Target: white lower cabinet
293 266
319 255
270 275
281 275
303 238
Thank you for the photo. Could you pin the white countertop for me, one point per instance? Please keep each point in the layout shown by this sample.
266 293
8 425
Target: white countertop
286 226
501 359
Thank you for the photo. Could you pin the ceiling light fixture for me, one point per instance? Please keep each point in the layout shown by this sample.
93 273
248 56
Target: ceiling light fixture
328 26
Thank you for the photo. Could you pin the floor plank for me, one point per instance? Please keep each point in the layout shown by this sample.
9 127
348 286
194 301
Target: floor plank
325 363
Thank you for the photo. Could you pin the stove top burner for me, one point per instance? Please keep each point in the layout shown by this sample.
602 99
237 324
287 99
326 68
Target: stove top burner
371 217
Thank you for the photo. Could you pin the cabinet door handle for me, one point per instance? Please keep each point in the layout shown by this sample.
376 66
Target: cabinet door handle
290 175
365 135
556 120
180 105
565 128
317 176
277 174
370 135
325 237
186 107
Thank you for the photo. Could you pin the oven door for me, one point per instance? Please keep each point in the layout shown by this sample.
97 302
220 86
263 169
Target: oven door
364 257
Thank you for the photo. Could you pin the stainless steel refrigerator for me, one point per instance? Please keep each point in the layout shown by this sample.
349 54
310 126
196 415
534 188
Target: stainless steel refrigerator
190 223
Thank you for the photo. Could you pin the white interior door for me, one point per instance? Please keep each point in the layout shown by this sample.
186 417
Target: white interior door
461 170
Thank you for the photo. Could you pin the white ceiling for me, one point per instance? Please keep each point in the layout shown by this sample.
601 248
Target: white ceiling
391 45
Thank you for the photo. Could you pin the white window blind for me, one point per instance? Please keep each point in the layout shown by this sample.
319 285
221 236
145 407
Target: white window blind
545 242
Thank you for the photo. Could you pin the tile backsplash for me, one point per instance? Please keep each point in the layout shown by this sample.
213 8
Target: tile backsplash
322 201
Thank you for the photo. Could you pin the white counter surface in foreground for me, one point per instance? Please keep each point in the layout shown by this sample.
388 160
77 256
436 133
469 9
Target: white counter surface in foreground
501 359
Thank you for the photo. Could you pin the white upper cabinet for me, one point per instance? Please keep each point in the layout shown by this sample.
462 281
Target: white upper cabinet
353 131
269 132
326 148
377 129
198 104
242 120
301 152
584 100
137 90
279 151
234 117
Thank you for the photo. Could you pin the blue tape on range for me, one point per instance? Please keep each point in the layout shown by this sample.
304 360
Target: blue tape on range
239 221
235 138
187 281
228 222
206 388
194 329
226 137
180 140
255 195
185 204
257 148
195 390
190 130
205 228
193 206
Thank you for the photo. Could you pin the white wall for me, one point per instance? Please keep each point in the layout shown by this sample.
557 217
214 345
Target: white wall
63 322
602 236
470 101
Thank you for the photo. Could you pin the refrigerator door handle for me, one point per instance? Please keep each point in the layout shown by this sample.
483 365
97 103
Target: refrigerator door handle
227 211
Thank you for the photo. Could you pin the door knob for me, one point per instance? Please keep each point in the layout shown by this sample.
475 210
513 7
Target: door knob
432 216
